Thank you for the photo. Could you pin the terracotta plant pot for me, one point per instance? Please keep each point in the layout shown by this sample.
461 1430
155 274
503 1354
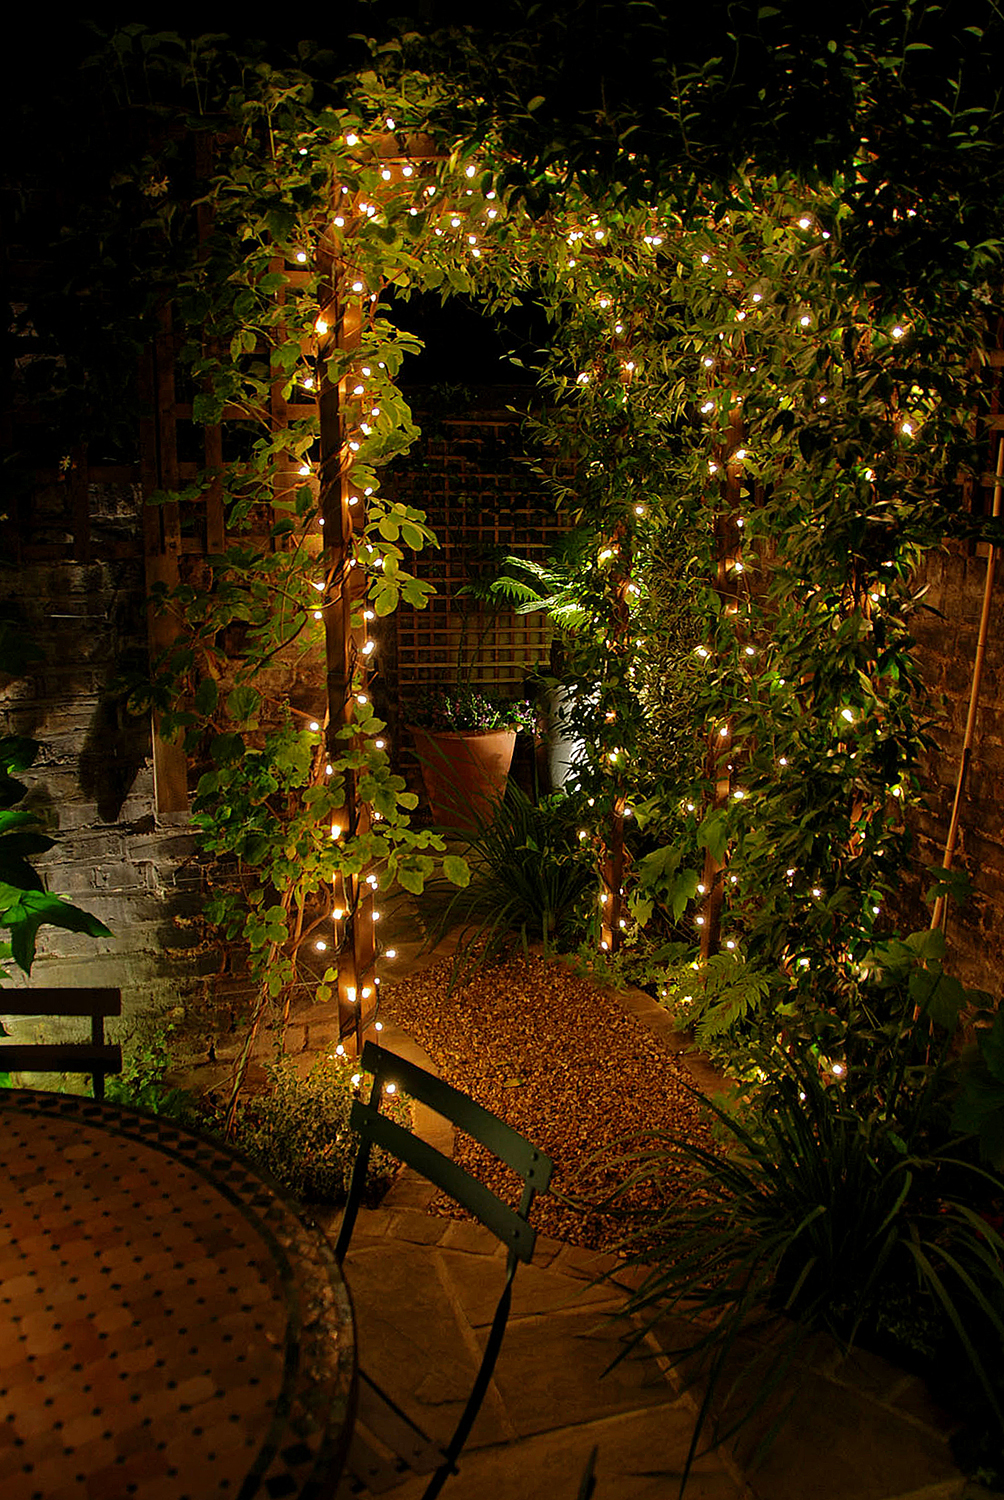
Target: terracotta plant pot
465 771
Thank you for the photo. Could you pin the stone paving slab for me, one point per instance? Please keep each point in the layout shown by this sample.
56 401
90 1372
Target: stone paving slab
636 1460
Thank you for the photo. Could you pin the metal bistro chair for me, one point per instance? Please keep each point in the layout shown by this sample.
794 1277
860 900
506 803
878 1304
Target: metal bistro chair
368 1467
96 1057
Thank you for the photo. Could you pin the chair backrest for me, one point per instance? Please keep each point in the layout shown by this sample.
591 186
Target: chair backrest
508 1224
375 1129
96 1057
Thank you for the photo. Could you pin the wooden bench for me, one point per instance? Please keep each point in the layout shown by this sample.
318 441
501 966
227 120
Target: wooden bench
96 1057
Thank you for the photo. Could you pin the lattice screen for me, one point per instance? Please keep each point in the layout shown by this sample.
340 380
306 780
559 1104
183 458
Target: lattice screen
482 503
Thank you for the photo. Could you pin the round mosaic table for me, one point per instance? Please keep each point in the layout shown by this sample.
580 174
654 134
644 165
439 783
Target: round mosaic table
170 1326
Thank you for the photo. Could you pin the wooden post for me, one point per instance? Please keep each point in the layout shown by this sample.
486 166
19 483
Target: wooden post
613 855
727 551
162 541
343 515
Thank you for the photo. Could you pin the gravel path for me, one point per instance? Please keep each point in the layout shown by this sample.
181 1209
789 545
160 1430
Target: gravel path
560 1060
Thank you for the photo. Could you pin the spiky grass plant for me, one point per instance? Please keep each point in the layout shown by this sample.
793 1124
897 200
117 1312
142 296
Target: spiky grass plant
531 881
838 1202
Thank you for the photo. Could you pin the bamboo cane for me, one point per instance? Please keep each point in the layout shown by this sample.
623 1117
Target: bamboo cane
939 914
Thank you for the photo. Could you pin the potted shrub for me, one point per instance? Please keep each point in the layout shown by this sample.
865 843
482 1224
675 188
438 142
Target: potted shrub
465 742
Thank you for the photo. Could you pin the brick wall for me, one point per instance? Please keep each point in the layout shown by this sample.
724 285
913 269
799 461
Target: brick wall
946 635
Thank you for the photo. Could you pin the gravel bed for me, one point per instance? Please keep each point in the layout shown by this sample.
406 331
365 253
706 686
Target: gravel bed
561 1061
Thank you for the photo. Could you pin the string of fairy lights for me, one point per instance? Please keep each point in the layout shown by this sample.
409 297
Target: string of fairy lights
461 218
459 213
719 465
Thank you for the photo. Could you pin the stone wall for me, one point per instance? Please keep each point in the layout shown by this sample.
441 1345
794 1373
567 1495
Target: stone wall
946 633
92 783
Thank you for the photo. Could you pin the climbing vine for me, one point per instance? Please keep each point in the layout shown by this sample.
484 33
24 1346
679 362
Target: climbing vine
762 442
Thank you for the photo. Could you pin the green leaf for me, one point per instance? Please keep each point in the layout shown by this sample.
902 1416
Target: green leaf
713 835
24 912
684 891
991 1045
384 597
457 870
17 752
243 703
939 994
225 749
660 863
207 695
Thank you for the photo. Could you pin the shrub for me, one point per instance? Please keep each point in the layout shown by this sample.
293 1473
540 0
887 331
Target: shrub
299 1131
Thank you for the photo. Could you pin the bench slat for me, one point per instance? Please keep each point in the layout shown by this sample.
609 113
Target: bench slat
59 1057
56 1002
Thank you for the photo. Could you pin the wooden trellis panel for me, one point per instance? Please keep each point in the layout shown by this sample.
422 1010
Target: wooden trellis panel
480 505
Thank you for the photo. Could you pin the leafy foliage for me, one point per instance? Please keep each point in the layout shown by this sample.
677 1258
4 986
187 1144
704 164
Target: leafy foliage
466 708
298 1130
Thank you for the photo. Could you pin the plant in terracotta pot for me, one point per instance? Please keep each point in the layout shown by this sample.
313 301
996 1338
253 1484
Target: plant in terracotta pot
465 741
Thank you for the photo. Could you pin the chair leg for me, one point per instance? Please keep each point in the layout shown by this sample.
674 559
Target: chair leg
479 1390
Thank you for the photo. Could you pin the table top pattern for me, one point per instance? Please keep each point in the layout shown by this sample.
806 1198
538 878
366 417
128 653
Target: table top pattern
170 1327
